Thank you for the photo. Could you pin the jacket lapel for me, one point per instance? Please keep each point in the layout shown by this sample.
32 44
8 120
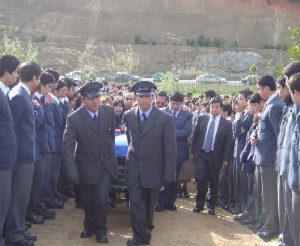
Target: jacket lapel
88 119
149 122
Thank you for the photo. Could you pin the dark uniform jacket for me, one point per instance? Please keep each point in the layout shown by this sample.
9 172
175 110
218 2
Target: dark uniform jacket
89 143
152 150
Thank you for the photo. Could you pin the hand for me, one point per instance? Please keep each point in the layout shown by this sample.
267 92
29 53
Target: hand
185 108
225 163
48 99
123 128
253 141
35 103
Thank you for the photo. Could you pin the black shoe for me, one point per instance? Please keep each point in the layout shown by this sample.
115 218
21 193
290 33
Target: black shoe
102 238
23 242
56 204
160 208
171 207
248 221
61 197
211 211
29 236
87 234
266 235
256 227
185 191
46 213
197 210
135 242
27 224
35 219
240 217
180 192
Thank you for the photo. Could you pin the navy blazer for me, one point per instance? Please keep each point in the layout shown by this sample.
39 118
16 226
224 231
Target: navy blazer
59 125
183 129
241 127
41 132
246 157
8 139
293 169
268 130
23 115
284 140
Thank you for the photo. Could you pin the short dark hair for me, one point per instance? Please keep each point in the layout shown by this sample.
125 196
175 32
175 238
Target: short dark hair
294 82
28 70
281 81
246 93
255 98
228 108
70 83
47 78
291 68
177 97
163 94
55 74
9 64
216 100
210 93
267 80
60 84
119 102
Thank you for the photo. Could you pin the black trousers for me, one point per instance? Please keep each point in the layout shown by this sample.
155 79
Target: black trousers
95 201
142 202
207 176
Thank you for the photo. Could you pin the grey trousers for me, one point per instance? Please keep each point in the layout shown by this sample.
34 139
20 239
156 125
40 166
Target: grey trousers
257 190
52 189
295 214
142 202
5 195
269 197
20 194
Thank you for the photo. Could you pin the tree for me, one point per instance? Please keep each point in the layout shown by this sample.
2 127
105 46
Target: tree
169 82
253 68
15 47
122 61
87 68
293 44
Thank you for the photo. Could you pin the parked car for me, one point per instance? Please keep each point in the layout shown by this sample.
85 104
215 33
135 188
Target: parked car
209 78
250 79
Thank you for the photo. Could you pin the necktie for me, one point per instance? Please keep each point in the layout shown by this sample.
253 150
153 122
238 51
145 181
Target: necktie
174 115
95 117
7 98
144 117
42 99
207 146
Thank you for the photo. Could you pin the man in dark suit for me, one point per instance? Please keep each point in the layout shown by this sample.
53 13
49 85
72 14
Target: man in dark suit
151 159
212 148
23 115
264 156
92 130
8 139
183 129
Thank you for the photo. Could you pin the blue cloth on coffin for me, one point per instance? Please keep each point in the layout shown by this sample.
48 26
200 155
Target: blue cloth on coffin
121 144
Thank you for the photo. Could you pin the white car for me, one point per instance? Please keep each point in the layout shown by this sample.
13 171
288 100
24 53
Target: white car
210 79
250 79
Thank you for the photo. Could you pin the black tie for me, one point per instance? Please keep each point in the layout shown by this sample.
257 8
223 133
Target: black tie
174 115
95 117
7 98
144 117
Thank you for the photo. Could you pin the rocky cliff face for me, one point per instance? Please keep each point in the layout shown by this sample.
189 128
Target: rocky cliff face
64 26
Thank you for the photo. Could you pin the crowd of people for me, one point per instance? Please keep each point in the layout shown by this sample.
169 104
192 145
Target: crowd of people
58 141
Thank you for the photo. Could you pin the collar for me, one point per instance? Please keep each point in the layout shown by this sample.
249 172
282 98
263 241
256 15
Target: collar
271 97
25 87
92 113
38 95
217 118
55 98
176 112
4 88
147 112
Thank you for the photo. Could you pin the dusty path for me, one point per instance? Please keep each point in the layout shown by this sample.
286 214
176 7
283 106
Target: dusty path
171 228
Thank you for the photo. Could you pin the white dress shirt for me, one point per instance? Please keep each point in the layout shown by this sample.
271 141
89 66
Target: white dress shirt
4 88
25 87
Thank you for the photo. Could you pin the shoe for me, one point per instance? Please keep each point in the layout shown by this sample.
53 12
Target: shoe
86 234
55 204
102 238
211 211
135 242
151 227
27 224
249 221
46 213
240 217
266 235
160 208
61 197
29 236
171 207
197 210
23 242
256 227
35 219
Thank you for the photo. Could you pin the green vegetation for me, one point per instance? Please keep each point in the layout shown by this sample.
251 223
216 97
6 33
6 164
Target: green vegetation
202 41
293 41
14 46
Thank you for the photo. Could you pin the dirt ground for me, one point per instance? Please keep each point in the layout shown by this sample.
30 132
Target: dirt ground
171 228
